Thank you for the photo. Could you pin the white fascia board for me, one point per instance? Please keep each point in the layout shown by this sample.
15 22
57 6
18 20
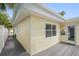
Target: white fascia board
15 10
73 19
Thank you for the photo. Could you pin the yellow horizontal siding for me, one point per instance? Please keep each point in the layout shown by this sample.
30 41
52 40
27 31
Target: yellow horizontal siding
38 40
23 34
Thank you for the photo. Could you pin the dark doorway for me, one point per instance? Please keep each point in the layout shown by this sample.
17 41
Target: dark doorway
71 33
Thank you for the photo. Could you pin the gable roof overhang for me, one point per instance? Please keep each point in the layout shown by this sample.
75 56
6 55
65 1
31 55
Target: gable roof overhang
23 10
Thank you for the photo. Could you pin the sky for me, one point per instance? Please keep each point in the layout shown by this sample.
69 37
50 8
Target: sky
10 12
71 9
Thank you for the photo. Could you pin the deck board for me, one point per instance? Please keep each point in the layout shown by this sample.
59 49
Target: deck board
60 49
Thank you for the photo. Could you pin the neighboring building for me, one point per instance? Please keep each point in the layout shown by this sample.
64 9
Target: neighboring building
38 28
11 32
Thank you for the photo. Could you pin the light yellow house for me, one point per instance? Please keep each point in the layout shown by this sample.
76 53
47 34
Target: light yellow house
38 28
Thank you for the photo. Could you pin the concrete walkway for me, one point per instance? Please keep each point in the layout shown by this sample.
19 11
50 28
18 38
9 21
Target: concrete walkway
13 48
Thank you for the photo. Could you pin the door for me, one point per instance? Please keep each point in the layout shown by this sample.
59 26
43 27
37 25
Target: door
71 34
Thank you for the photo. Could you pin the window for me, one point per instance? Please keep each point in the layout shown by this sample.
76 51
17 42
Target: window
50 30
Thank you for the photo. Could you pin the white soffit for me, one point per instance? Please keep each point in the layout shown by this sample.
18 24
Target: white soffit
22 13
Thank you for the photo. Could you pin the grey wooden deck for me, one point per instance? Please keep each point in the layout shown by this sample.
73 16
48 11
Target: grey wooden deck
60 50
